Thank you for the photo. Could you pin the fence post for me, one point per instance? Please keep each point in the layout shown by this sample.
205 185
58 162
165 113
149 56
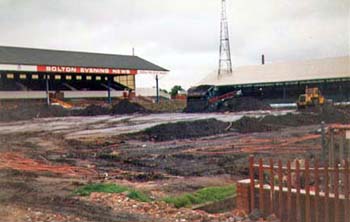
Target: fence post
341 148
336 193
326 197
298 191
307 191
252 183
346 191
261 185
324 149
280 190
272 190
289 194
317 191
331 156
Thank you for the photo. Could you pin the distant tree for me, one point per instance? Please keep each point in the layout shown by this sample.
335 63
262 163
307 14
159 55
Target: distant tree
163 90
175 90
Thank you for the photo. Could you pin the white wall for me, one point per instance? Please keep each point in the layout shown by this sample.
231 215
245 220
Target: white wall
67 94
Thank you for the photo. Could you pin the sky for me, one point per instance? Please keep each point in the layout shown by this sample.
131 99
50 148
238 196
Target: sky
181 35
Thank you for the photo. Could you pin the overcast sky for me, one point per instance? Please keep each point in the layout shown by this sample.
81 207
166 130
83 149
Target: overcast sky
181 35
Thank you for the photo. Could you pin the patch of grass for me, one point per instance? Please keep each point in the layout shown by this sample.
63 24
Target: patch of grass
137 195
202 196
112 188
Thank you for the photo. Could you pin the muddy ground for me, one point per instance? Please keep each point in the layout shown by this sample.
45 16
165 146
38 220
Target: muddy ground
43 160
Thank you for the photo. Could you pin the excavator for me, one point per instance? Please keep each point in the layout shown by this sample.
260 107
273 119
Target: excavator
312 97
207 98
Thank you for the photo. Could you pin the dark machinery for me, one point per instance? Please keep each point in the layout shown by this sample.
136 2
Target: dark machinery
207 98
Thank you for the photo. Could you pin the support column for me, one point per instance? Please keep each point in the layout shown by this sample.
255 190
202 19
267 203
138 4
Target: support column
47 89
109 91
157 88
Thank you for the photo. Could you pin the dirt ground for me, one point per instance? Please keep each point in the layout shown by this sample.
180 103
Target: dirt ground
43 160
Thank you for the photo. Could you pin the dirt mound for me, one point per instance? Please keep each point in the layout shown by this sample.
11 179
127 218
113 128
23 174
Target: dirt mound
236 104
248 124
243 104
26 111
127 107
183 130
93 110
328 114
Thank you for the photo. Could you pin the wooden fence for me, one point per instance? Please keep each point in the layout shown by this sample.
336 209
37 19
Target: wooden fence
299 192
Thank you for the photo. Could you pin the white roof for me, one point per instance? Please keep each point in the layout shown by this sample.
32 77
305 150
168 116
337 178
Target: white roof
317 69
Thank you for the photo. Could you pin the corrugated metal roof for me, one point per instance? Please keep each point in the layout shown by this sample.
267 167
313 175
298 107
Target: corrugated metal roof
31 56
317 69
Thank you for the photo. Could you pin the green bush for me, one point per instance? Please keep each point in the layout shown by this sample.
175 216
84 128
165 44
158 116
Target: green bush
201 196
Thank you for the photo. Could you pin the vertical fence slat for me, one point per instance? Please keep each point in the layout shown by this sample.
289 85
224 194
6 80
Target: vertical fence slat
346 191
261 185
252 183
336 193
307 191
289 194
326 197
331 158
298 191
272 190
280 190
317 192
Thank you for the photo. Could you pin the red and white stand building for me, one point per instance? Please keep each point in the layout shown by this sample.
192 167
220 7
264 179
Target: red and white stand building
27 73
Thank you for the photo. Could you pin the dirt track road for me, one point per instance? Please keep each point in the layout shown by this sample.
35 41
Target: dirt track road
102 126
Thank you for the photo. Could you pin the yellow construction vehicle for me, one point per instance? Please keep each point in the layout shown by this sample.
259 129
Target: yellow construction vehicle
312 97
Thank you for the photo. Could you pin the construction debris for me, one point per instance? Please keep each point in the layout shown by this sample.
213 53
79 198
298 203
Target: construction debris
160 211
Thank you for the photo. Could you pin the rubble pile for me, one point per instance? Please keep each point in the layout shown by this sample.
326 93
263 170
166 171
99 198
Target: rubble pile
36 215
160 211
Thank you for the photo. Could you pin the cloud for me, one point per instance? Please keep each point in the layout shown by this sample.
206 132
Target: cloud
181 35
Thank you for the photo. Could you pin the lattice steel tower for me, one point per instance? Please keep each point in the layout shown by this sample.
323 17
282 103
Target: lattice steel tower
225 63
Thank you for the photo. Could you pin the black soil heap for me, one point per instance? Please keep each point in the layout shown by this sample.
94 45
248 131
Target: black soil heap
127 107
